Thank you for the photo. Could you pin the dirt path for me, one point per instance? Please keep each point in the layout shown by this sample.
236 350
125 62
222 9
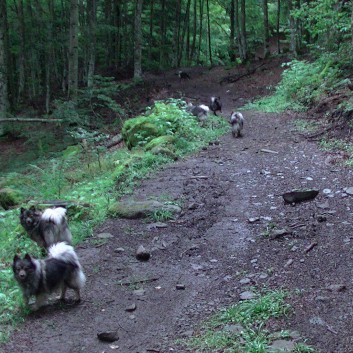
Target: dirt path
212 246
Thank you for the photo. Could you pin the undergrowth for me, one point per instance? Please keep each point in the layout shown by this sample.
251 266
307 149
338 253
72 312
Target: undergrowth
92 178
302 84
241 328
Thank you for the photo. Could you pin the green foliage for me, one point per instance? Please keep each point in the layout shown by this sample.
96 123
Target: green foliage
241 327
302 84
327 22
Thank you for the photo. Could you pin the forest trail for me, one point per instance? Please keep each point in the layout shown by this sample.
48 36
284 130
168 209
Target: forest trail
230 194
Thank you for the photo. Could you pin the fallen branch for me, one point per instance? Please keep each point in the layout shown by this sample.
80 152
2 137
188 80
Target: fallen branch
310 247
128 283
31 120
235 78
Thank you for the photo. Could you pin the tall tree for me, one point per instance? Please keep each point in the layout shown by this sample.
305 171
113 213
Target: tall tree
243 38
209 31
91 8
266 29
4 102
73 50
277 25
232 31
138 40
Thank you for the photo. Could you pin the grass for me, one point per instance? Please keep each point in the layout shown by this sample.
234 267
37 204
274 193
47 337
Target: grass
93 181
241 328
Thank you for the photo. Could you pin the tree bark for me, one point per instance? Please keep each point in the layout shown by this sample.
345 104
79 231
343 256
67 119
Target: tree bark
138 40
209 32
232 31
243 39
4 102
277 25
266 29
73 51
91 8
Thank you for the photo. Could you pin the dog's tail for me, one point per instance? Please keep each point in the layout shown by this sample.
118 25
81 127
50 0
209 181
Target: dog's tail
54 215
66 253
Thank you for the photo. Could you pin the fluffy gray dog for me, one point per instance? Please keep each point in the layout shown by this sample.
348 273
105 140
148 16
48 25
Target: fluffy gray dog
237 121
46 228
60 270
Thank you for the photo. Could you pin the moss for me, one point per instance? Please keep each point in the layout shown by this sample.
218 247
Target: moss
164 151
9 197
138 130
161 141
140 209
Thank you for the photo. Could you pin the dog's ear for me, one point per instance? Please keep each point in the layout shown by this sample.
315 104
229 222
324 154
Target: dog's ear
22 210
16 258
32 208
28 258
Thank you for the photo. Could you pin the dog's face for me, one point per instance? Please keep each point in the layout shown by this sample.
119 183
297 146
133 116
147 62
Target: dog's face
30 218
23 268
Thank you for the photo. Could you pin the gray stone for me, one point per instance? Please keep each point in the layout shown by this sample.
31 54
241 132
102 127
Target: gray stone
282 346
105 235
108 336
247 295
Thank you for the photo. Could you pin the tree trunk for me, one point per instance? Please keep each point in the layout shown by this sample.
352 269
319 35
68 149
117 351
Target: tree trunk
293 30
277 25
4 103
138 40
243 39
22 60
232 31
162 37
209 32
73 51
200 31
194 33
266 29
91 8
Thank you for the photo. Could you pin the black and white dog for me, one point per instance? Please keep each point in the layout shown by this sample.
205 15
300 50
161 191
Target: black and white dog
60 270
215 105
183 75
46 228
237 121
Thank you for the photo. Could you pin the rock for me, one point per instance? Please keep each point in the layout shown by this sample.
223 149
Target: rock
299 195
180 286
142 254
288 263
253 219
105 235
284 346
108 336
336 287
349 190
131 308
140 209
139 292
245 280
247 295
278 233
119 250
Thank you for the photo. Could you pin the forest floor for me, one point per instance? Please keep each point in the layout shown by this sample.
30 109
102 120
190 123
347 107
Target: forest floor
231 194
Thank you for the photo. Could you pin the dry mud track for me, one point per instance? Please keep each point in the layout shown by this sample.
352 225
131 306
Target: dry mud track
212 246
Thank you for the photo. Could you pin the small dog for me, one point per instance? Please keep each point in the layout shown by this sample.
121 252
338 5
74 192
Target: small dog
215 105
200 111
237 121
60 270
183 75
46 228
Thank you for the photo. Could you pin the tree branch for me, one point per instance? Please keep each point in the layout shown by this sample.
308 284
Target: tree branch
31 120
